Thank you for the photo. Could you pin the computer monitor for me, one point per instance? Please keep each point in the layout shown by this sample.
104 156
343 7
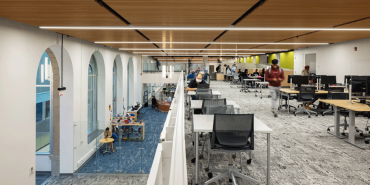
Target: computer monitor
299 80
290 78
328 80
204 86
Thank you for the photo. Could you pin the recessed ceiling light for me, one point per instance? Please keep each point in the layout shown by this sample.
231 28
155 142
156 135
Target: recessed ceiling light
200 28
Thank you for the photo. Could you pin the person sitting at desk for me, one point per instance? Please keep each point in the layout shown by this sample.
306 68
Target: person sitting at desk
305 71
191 75
154 103
194 83
256 73
109 134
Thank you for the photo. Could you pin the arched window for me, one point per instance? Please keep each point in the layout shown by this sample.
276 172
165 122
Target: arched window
43 106
92 100
114 89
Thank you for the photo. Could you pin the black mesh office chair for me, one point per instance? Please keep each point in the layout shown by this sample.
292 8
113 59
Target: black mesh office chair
215 109
291 97
203 96
334 90
343 112
232 133
212 102
306 95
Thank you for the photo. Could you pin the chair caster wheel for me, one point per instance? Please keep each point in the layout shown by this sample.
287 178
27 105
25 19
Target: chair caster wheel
367 142
343 134
249 161
309 116
261 97
230 180
193 143
357 131
295 114
206 169
328 129
234 156
361 134
317 115
193 160
201 157
210 175
189 119
322 114
255 95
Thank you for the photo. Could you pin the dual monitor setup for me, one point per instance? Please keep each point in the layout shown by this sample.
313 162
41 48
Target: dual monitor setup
319 79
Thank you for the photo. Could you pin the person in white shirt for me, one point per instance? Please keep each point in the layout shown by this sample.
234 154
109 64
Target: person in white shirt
153 94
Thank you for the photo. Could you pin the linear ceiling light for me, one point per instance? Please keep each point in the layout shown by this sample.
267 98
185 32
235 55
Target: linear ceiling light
147 49
199 28
241 43
169 53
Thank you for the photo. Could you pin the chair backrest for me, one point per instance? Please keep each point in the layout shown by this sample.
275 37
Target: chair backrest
212 102
306 93
334 89
219 109
233 131
203 91
203 96
339 95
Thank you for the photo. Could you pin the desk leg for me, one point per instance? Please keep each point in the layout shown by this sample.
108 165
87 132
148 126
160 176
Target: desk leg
268 158
196 157
288 103
261 90
352 129
336 123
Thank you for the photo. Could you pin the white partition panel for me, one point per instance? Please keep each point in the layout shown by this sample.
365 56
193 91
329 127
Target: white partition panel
169 165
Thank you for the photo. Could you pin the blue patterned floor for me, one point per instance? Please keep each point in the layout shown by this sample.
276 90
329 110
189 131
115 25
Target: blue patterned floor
134 157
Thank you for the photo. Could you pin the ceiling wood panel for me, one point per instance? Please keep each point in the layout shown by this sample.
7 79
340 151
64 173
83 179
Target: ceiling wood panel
58 13
257 36
181 36
306 13
331 36
180 12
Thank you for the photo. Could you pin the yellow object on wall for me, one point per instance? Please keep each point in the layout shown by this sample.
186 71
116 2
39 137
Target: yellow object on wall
249 59
270 58
258 59
287 60
242 60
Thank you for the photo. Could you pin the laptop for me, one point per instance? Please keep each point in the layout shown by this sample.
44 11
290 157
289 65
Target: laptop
203 86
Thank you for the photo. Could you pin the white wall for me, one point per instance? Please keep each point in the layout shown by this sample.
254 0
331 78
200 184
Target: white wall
21 47
338 59
157 78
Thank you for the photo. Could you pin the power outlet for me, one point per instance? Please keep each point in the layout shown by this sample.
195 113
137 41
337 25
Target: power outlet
32 171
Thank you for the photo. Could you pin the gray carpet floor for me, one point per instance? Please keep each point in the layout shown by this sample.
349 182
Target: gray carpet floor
302 152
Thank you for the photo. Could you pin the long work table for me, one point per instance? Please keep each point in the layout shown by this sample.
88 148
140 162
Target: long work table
204 123
352 108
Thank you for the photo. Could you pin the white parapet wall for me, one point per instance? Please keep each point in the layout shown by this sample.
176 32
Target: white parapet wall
169 165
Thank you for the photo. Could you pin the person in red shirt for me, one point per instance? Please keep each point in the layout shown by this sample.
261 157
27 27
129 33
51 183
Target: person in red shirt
274 75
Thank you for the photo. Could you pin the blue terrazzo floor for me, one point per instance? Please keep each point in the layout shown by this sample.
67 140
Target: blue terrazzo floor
131 157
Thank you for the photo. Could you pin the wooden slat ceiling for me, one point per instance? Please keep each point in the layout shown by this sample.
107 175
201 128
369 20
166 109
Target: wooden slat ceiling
306 13
214 13
181 12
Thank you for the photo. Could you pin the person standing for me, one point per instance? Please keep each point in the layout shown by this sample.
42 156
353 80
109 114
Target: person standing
305 71
274 75
154 103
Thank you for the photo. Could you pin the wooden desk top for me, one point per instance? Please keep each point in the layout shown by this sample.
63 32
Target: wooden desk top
293 91
128 124
350 106
108 140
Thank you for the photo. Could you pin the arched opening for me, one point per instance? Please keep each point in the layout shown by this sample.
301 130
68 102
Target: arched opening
95 97
130 83
114 89
118 84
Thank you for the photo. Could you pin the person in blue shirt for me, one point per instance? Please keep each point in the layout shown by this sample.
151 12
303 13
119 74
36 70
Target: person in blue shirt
169 100
234 68
191 75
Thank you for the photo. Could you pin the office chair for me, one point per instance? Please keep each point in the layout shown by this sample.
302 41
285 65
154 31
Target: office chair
334 90
286 102
306 95
232 133
235 79
343 112
212 102
216 109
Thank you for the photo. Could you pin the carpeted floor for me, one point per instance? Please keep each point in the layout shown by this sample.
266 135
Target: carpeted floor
302 152
131 157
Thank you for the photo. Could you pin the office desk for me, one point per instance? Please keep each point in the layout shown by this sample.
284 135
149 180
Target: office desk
352 108
287 92
191 93
204 123
142 124
249 79
219 76
261 83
